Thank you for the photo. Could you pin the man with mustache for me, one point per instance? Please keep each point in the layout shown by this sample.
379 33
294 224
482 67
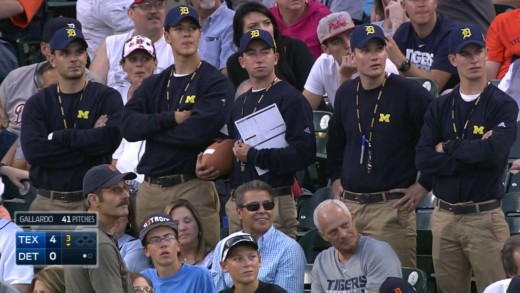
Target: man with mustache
106 192
148 19
69 127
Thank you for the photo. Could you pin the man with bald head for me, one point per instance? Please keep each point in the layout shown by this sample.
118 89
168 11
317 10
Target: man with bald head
354 262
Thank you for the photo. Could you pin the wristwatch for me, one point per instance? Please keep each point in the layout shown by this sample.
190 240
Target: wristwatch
405 66
3 164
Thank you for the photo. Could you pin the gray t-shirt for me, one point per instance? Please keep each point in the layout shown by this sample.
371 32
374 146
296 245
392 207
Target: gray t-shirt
366 270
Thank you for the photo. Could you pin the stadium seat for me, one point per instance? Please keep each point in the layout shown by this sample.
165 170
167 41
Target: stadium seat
55 8
312 244
28 50
501 8
307 279
321 126
429 84
306 209
417 278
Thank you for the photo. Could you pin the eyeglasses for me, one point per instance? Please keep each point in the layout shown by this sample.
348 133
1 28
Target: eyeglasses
255 206
147 5
138 289
239 238
167 238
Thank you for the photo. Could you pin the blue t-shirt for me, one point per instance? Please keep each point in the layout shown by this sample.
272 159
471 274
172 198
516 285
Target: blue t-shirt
189 279
430 52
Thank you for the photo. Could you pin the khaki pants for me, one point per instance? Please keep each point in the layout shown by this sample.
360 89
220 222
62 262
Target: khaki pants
466 243
42 203
283 215
201 194
385 223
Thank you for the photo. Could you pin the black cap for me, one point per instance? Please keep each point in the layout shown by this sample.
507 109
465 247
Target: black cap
53 25
153 221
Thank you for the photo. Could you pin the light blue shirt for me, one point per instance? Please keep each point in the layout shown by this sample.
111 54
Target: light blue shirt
132 252
282 263
216 43
189 279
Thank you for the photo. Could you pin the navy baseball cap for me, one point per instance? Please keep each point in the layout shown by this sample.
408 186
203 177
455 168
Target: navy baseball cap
178 14
103 176
463 35
362 34
393 284
64 36
153 221
57 23
250 36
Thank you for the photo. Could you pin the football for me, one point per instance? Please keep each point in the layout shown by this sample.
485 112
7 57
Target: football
219 155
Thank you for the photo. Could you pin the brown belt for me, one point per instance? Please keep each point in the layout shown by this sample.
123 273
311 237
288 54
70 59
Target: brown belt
461 209
171 180
365 198
63 196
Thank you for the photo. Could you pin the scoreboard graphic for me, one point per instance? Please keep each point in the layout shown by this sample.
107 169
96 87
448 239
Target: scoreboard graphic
73 240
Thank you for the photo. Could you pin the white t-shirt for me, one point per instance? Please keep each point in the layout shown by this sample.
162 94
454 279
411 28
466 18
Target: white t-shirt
324 76
10 272
114 47
498 286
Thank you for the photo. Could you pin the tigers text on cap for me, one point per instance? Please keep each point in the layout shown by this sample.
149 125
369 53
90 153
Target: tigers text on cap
238 238
362 34
138 43
333 25
153 221
103 176
178 14
64 36
463 35
256 35
57 23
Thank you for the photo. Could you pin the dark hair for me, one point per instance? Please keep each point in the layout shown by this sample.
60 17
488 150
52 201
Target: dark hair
507 256
378 8
201 249
256 185
282 69
134 275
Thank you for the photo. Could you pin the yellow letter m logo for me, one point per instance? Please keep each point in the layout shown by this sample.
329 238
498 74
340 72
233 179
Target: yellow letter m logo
190 99
384 117
83 114
478 129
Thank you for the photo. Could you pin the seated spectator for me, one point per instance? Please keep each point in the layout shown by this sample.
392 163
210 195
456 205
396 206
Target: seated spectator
241 259
19 277
138 62
159 237
128 242
141 283
354 262
389 15
509 87
50 279
283 258
299 19
393 285
336 65
216 42
510 256
194 248
295 60
419 47
102 19
148 19
502 44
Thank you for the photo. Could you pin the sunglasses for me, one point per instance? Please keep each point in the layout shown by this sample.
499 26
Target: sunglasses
147 5
255 206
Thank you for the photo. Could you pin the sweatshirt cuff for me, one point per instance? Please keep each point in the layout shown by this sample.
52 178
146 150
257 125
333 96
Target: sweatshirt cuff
252 156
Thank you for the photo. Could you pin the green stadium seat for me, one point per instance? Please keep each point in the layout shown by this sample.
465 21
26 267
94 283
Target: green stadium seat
429 84
312 244
417 278
306 209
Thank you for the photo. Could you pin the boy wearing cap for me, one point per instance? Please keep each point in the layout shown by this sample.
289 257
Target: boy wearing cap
107 195
259 57
69 127
464 145
241 259
179 112
159 237
334 66
372 135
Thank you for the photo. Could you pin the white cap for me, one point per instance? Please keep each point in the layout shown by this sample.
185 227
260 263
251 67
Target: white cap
138 43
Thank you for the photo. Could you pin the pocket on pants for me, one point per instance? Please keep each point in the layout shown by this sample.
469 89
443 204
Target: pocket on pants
499 225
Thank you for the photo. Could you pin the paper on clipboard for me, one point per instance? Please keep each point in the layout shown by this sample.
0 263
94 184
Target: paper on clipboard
263 129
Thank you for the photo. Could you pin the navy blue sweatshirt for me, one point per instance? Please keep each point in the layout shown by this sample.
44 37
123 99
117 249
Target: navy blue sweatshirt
301 139
60 164
397 128
472 168
172 148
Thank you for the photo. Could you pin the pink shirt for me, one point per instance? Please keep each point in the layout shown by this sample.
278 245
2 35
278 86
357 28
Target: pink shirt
304 28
